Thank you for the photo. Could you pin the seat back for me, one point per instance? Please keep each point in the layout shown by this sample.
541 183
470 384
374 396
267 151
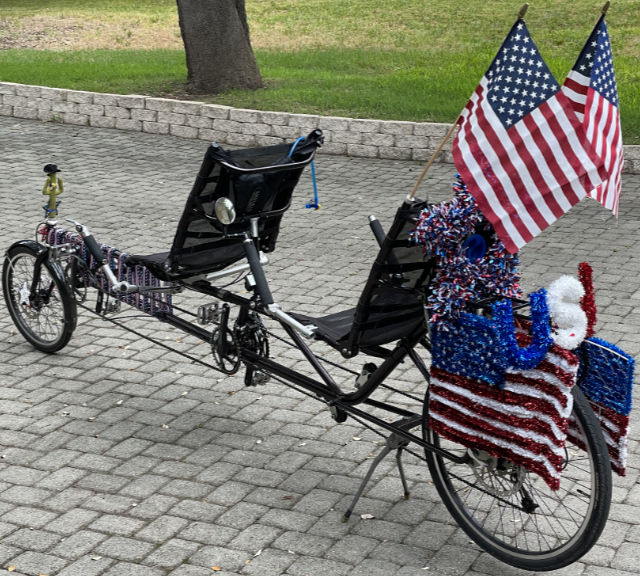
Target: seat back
259 182
393 297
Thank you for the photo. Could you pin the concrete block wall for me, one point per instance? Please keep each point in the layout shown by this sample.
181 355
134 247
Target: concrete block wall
392 140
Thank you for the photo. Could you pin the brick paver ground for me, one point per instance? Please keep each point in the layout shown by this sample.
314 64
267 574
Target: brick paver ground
120 459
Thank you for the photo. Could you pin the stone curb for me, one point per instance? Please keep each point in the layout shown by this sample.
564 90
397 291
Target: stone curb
392 140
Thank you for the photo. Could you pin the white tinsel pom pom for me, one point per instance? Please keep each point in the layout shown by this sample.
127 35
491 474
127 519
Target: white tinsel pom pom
563 300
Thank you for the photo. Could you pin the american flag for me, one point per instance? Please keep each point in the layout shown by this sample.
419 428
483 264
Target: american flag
526 421
520 147
591 87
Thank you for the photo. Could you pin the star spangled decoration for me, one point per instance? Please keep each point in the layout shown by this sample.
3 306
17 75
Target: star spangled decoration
519 80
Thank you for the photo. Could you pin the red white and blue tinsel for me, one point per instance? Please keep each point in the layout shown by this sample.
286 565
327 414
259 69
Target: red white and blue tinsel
488 391
525 421
471 261
606 379
484 348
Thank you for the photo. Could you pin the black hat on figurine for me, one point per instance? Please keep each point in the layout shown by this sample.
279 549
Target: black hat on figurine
51 169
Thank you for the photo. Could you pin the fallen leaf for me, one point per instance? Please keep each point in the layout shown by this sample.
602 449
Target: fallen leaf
216 568
11 568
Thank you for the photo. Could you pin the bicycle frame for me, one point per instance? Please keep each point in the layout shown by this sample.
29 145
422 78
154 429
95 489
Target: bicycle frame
325 389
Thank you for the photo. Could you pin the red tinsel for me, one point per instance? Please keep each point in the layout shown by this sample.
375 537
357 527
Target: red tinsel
588 301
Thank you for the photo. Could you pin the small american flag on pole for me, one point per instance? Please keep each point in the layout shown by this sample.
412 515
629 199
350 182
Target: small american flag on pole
591 87
520 147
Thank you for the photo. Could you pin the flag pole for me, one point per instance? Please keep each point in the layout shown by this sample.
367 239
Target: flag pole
523 10
431 161
605 7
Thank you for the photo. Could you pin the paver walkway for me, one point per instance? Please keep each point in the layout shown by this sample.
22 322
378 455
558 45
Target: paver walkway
121 459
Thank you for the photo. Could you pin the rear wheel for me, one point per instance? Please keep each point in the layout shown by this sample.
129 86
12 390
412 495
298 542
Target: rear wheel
513 514
47 317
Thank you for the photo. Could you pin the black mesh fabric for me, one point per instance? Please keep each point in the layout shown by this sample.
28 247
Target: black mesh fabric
391 304
259 182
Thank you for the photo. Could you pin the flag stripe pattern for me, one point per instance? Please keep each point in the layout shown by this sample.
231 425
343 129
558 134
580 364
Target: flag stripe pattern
525 422
591 88
615 429
520 146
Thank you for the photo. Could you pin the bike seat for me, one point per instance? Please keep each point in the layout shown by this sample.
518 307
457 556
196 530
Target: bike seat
394 313
163 266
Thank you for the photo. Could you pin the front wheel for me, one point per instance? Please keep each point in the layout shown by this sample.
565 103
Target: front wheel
47 316
513 514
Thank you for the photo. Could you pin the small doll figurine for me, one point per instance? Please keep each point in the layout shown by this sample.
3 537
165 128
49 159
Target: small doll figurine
53 187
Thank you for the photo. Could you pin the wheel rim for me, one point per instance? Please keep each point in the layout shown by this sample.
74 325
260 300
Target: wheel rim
43 316
515 511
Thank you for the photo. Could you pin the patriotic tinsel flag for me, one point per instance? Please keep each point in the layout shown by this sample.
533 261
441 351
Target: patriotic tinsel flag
606 379
525 419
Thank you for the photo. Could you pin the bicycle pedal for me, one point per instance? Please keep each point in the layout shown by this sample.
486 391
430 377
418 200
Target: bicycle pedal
208 314
112 307
253 377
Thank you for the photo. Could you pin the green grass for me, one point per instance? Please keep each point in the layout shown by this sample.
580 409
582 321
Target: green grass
114 71
406 60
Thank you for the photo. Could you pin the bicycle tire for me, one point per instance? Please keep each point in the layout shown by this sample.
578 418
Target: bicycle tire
568 521
48 321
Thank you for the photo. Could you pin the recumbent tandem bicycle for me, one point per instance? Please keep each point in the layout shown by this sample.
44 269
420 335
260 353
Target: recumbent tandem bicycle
229 225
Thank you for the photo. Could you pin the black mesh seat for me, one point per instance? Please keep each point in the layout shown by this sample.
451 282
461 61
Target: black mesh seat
392 302
394 313
259 182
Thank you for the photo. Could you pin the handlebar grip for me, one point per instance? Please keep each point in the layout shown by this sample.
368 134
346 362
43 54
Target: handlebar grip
377 230
94 248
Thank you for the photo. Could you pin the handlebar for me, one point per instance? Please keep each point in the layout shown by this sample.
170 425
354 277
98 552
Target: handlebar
92 245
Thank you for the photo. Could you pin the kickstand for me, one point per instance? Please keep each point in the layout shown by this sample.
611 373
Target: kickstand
393 442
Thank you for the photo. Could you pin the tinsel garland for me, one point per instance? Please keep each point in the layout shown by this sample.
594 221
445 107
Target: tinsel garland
588 301
525 422
463 272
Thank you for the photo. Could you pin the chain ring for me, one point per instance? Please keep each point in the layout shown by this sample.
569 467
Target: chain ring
225 350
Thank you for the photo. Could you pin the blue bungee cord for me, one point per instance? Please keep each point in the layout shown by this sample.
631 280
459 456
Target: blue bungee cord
313 203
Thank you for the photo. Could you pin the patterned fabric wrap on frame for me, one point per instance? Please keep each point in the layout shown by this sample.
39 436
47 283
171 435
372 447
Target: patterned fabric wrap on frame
526 421
151 303
606 379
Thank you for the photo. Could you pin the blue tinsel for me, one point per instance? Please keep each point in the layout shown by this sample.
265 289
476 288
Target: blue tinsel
606 375
529 357
484 348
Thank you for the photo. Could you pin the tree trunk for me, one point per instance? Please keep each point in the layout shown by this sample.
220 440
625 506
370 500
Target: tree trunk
216 41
